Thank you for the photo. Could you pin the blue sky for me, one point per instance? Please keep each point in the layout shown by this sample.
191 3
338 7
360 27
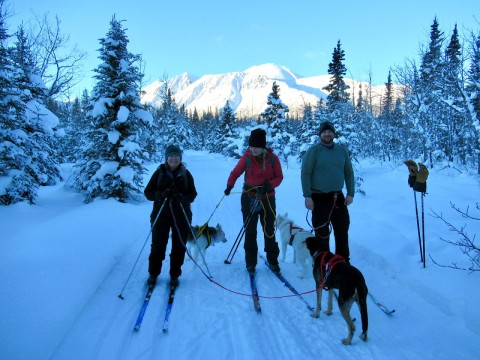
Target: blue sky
217 36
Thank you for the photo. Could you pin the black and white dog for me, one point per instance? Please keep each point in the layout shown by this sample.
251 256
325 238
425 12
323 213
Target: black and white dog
205 236
332 272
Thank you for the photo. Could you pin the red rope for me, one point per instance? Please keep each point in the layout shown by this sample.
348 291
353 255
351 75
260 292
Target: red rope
260 296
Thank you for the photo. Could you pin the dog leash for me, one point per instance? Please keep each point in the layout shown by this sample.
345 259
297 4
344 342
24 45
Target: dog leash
334 206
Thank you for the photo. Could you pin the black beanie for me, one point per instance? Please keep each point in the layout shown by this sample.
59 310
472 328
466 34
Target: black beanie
326 125
173 150
258 138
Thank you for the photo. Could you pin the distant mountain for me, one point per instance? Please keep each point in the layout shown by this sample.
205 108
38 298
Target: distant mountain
247 91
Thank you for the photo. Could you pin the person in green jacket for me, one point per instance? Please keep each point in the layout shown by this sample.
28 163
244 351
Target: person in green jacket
326 169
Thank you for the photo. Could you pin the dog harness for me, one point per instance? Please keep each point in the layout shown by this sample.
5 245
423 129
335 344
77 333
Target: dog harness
292 234
205 228
336 259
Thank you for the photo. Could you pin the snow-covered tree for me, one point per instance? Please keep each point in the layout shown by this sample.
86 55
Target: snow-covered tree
307 133
473 95
112 161
172 126
27 131
274 116
225 139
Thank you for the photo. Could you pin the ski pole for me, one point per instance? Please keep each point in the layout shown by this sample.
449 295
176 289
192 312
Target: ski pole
423 231
180 237
195 240
143 247
216 207
418 227
238 240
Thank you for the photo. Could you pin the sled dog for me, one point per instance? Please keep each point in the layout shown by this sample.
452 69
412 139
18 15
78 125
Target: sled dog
205 236
330 271
291 234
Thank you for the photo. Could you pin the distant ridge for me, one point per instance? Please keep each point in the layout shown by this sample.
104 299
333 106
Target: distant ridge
247 91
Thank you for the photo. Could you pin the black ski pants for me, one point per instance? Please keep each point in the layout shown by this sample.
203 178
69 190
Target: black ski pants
330 208
160 235
266 212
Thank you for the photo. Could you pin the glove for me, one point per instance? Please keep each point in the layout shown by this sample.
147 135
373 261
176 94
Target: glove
266 188
413 171
421 179
177 196
227 190
165 194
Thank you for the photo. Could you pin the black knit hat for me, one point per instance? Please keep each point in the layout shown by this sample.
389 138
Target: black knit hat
173 150
258 138
326 125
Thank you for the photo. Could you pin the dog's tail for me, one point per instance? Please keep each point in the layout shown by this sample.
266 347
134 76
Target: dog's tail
362 292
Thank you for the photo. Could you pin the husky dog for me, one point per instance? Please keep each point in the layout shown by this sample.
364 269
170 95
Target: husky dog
205 236
294 235
332 272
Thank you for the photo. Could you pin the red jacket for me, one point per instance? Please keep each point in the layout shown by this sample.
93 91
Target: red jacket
256 175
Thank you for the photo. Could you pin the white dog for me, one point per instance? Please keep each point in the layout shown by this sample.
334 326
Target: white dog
205 236
294 235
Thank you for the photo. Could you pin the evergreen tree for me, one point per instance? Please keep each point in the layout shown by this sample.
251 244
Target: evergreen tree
388 127
170 121
431 60
473 97
426 94
225 141
112 161
307 133
27 137
452 120
274 115
17 182
337 88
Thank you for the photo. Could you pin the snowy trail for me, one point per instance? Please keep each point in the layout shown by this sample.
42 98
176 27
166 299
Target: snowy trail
80 316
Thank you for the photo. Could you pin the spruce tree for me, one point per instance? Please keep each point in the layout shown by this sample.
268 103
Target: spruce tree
225 141
337 88
28 140
473 97
427 90
112 162
17 181
275 117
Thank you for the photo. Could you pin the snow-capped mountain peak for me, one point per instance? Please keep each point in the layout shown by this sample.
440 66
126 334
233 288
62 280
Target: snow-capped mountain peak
247 91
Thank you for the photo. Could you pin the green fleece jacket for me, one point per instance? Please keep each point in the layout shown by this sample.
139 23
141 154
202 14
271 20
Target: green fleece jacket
326 169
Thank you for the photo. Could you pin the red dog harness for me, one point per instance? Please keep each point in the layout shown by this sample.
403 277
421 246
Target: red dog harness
336 259
292 234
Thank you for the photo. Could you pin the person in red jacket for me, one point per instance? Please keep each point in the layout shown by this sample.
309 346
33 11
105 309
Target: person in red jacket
263 173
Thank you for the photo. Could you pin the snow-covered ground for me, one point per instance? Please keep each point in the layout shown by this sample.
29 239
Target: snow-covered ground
63 265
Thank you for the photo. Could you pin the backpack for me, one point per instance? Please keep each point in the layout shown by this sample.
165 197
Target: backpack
247 162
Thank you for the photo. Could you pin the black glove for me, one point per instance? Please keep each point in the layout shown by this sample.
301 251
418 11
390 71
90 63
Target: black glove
167 193
177 196
227 190
266 188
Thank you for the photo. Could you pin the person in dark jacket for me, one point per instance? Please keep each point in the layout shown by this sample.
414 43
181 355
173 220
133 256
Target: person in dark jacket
263 173
326 169
172 186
